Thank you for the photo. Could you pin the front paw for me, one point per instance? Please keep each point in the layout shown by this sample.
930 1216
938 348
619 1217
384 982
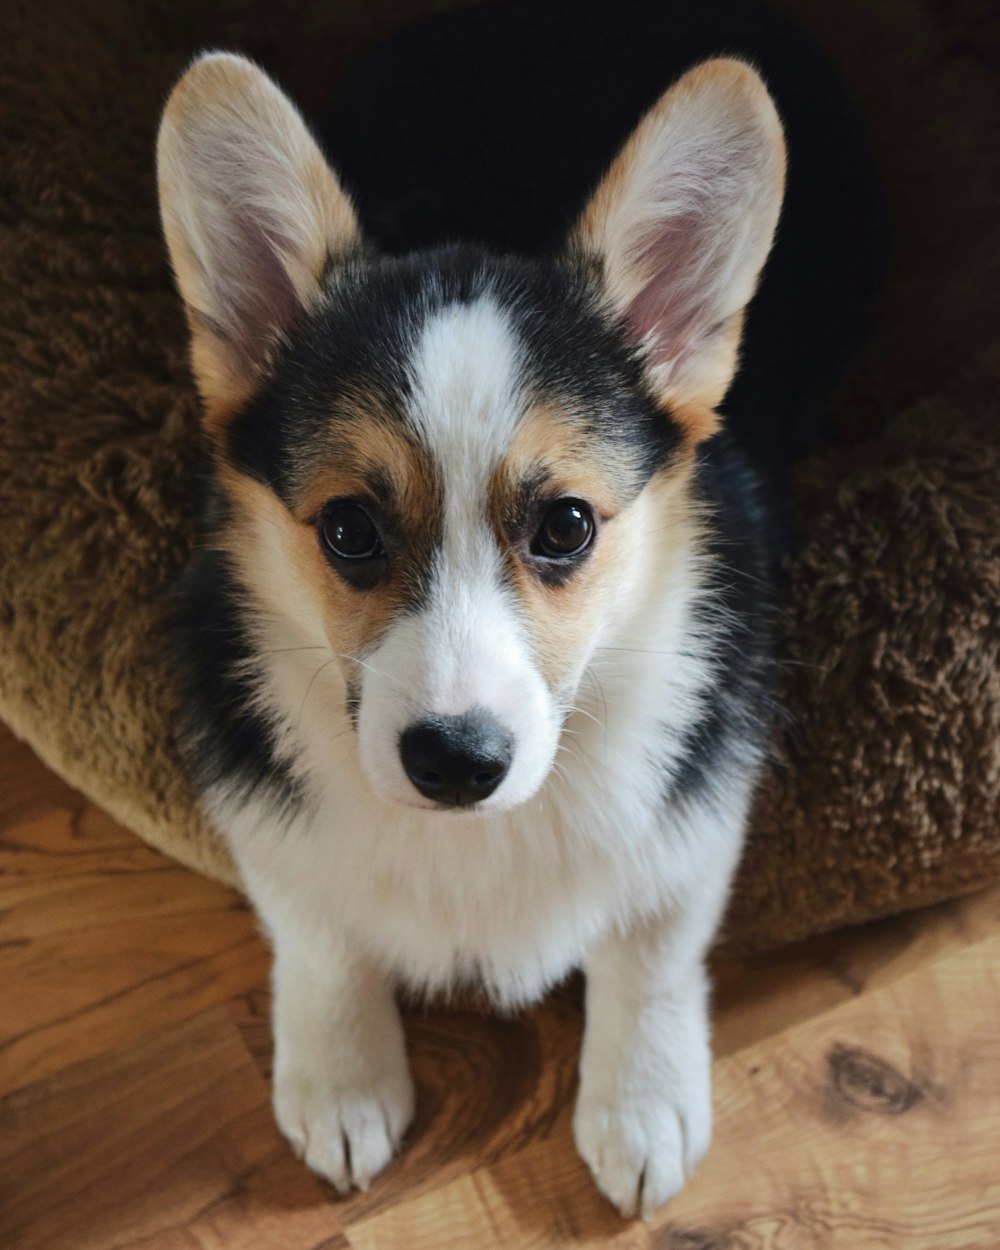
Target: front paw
643 1146
347 1132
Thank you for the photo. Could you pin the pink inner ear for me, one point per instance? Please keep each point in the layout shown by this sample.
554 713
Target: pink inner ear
669 314
261 299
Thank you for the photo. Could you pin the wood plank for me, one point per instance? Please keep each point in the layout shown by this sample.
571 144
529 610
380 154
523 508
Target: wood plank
760 997
165 1146
103 940
875 1125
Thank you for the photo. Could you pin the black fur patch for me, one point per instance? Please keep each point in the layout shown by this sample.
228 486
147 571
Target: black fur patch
224 738
736 615
354 354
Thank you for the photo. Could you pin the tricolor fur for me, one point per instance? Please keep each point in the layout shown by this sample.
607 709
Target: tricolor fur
456 398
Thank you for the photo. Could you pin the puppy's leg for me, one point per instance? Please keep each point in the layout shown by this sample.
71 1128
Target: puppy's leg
644 1111
342 1090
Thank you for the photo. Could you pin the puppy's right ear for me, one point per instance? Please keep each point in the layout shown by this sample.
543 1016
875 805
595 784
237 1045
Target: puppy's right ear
252 214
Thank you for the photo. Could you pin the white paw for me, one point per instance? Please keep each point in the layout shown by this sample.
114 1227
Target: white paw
347 1133
642 1149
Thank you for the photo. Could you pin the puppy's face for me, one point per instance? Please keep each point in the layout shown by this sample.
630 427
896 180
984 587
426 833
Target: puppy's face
449 456
444 471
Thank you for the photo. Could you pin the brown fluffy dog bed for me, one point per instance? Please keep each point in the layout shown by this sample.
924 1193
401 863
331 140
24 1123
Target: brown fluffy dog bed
884 792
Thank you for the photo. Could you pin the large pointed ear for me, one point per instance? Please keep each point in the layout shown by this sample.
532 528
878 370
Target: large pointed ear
682 224
252 215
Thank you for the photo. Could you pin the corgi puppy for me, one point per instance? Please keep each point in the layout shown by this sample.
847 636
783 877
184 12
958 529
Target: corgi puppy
476 654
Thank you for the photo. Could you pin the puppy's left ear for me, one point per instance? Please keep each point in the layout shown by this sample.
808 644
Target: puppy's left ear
252 214
682 224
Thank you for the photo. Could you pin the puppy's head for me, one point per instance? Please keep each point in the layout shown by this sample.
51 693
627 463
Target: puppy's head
448 474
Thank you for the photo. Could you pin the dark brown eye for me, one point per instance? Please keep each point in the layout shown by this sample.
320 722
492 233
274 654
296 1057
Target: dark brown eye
349 533
566 531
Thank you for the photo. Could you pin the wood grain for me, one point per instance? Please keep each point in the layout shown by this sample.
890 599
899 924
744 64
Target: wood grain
875 1125
857 1081
759 997
105 939
163 1145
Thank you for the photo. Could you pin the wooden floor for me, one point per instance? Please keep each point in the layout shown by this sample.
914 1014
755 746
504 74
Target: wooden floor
857 1081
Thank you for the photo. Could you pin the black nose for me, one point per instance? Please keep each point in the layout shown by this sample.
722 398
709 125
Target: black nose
456 760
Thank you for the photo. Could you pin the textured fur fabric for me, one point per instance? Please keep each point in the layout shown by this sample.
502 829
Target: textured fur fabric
884 792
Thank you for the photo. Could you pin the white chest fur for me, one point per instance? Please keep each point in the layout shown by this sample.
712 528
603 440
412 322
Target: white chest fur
512 900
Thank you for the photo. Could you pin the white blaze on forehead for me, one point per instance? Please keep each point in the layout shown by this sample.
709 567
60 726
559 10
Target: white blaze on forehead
467 393
467 398
466 402
466 648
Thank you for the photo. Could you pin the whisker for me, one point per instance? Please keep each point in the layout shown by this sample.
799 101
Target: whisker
286 650
312 682
342 655
604 698
372 669
635 650
583 712
569 751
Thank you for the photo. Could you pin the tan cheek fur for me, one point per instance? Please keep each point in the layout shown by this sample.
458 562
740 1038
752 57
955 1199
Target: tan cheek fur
563 620
279 560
